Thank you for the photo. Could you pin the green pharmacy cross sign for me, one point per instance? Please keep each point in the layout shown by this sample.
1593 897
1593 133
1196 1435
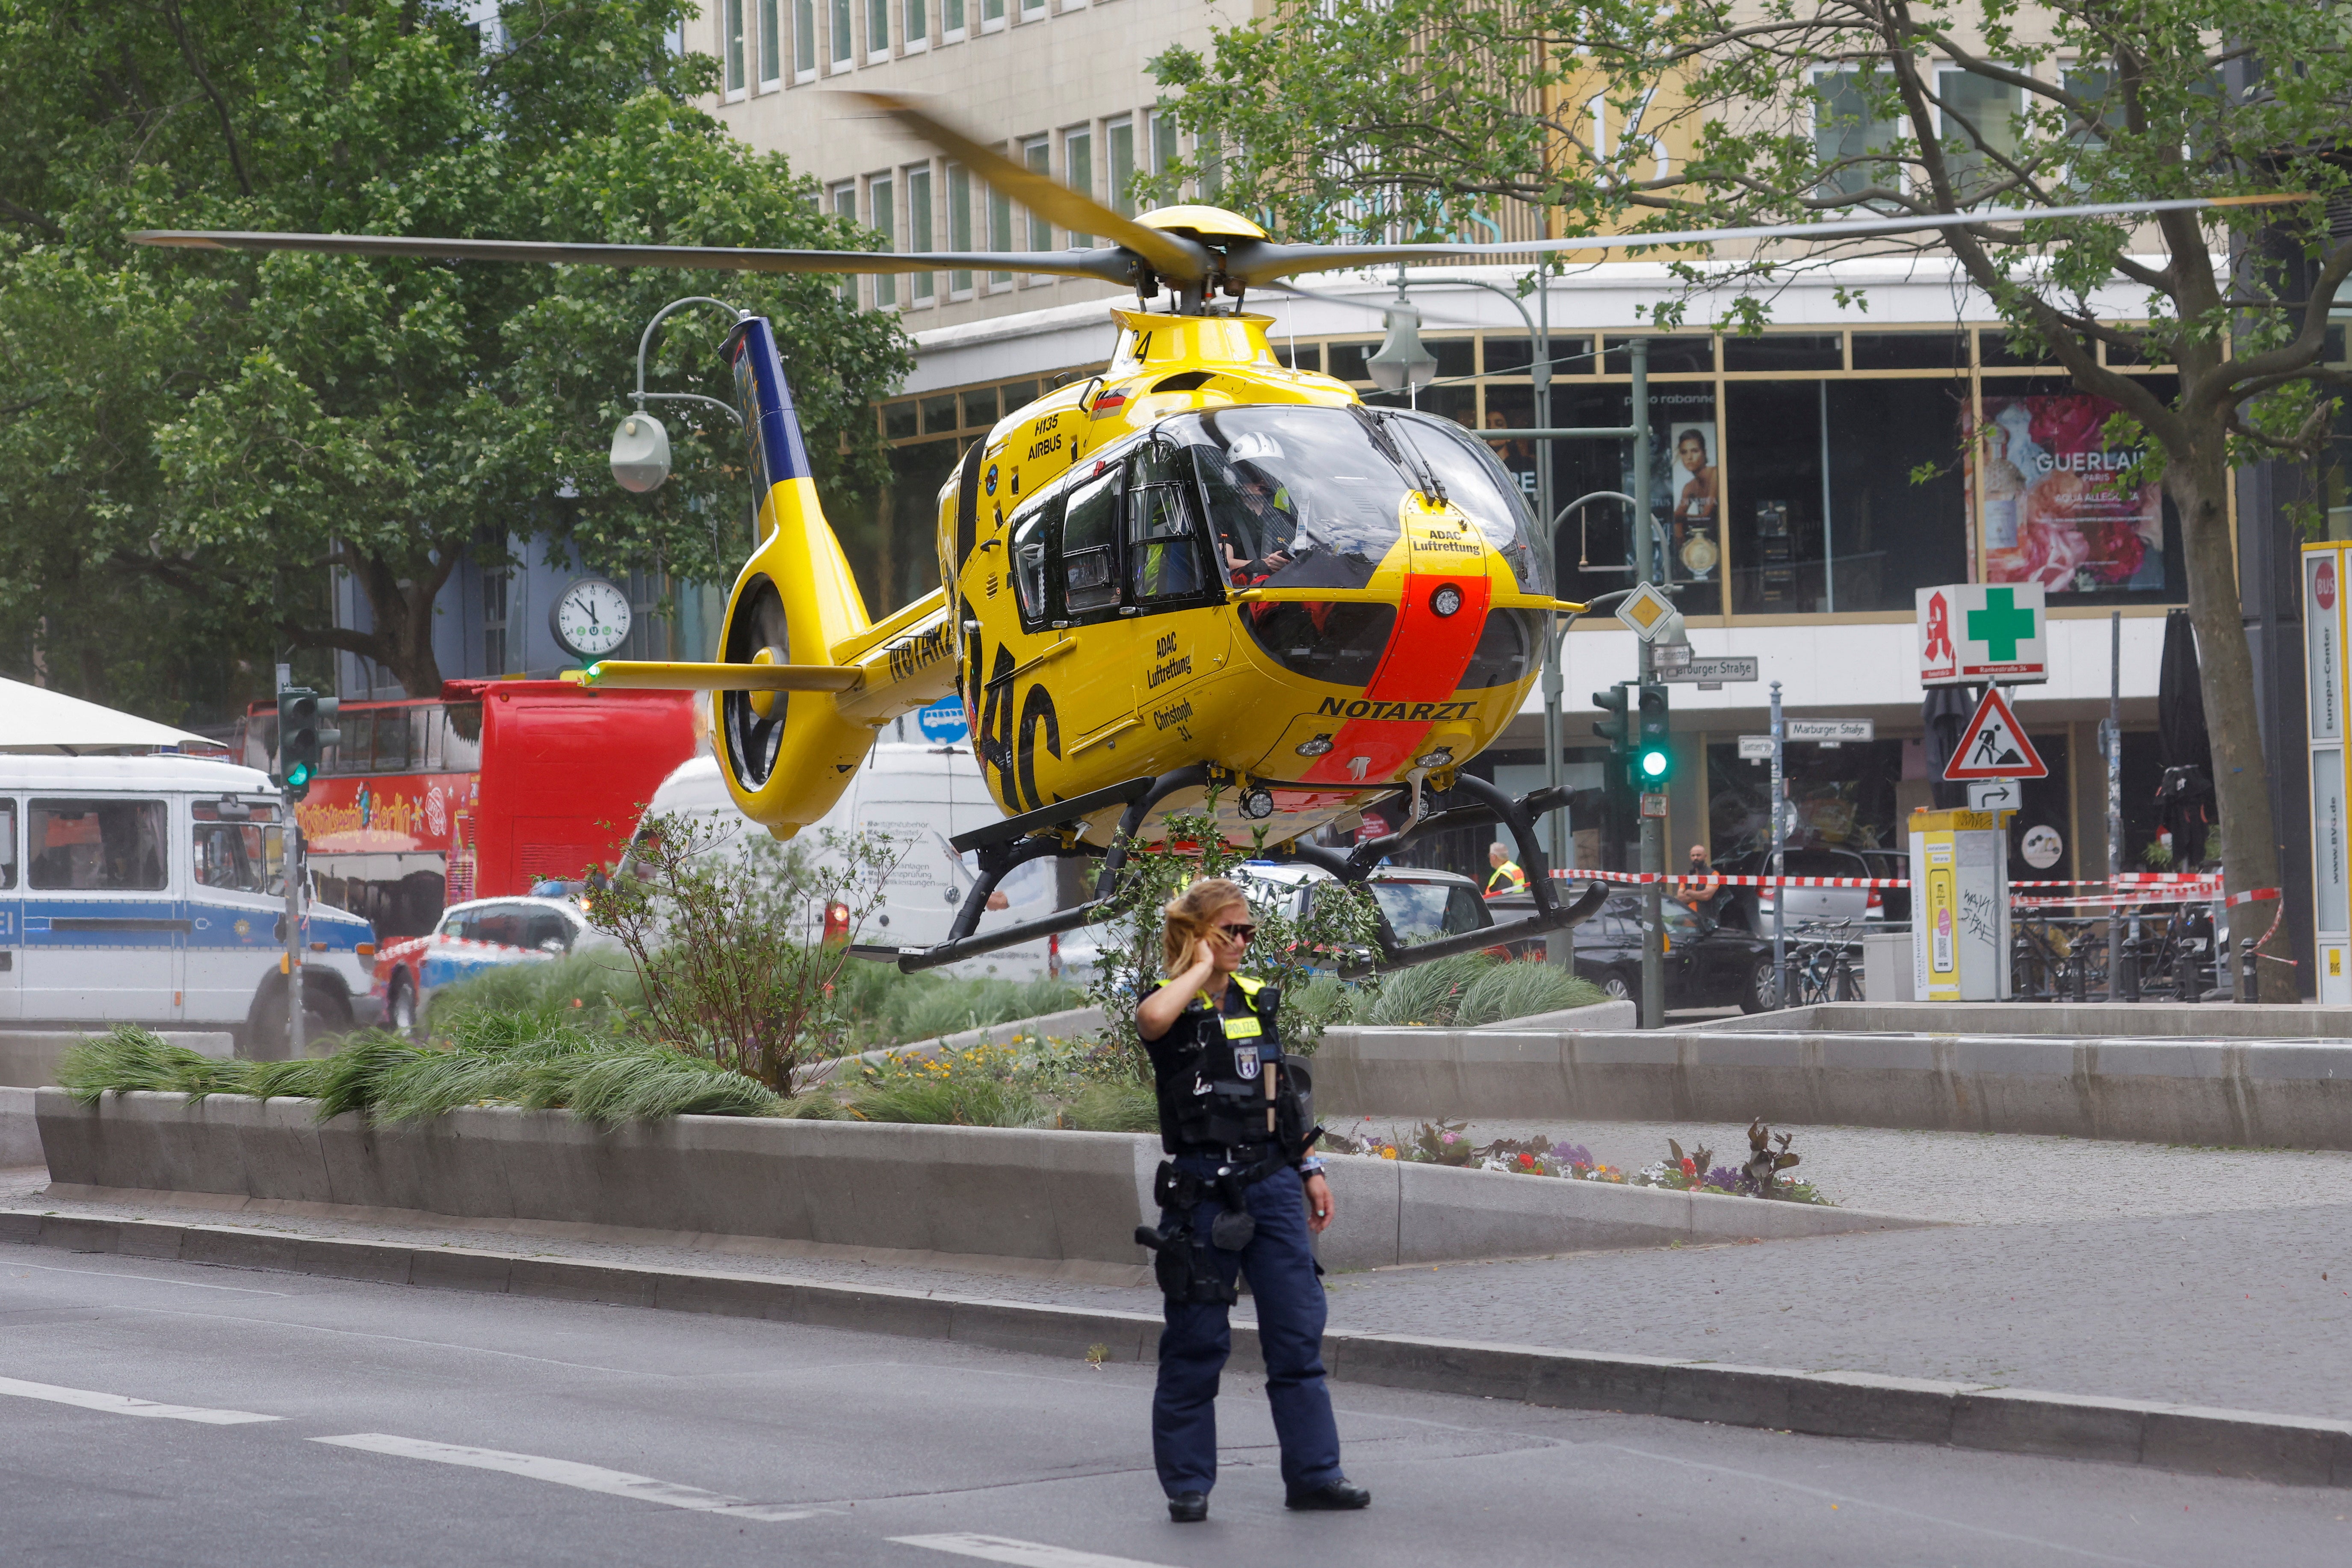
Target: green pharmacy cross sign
1973 634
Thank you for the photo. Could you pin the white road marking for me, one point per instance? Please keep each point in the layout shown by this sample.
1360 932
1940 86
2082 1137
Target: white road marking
565 1473
151 1279
1021 1553
123 1405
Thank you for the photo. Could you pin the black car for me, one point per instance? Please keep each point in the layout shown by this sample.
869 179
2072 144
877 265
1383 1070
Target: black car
1707 964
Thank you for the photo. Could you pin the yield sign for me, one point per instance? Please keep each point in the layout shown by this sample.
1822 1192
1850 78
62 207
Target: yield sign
1994 745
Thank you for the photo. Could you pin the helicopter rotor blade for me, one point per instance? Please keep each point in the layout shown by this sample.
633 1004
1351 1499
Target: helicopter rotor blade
1258 262
1175 258
1364 303
1108 263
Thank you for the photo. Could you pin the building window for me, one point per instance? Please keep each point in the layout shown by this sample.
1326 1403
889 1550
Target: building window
845 207
918 26
882 213
1119 135
731 24
877 31
1211 155
1037 154
959 227
951 21
1079 170
844 47
992 15
495 582
804 40
1846 125
1978 120
771 46
918 228
1032 10
1164 157
1000 232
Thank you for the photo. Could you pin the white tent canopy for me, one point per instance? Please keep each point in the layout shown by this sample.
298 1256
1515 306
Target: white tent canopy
33 718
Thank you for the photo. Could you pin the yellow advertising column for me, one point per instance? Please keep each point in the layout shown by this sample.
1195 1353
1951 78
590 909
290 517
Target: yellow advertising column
2324 696
1960 905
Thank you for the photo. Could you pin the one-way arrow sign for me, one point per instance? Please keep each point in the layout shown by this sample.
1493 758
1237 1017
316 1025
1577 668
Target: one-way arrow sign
1994 745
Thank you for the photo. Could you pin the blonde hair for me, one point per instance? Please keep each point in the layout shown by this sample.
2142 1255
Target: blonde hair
1190 913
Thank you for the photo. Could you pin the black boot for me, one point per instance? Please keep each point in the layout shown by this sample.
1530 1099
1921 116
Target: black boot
1335 1496
1191 1508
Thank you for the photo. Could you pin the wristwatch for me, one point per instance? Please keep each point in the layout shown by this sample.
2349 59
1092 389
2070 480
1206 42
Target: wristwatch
1310 1166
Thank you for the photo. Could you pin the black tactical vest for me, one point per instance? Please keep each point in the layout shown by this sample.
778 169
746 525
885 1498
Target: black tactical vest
1210 1069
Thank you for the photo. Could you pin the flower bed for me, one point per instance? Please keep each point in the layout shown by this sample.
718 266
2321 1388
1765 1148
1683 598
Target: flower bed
1445 1143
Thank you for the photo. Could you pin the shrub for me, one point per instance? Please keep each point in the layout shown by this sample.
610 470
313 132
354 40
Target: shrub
732 947
1521 990
1425 994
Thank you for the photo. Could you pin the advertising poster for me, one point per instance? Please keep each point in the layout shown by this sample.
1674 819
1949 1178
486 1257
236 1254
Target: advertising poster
2053 512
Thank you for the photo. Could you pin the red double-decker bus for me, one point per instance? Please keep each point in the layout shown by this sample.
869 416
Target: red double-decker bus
486 791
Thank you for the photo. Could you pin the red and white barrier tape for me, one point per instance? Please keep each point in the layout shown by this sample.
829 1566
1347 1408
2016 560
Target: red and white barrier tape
2135 888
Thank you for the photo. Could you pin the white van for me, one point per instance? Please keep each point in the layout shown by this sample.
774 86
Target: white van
921 797
150 890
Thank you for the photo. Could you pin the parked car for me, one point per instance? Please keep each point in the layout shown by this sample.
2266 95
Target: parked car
484 933
1708 963
1420 905
1752 907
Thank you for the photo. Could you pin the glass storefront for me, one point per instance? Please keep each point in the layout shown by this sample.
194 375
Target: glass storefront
1795 473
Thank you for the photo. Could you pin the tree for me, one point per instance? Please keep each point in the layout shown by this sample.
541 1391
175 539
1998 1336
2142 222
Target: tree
225 426
1395 117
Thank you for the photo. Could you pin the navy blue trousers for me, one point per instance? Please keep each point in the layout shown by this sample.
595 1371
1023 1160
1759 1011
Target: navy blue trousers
1195 1344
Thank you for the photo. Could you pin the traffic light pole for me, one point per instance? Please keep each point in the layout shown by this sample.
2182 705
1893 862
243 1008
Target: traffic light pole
297 996
1654 825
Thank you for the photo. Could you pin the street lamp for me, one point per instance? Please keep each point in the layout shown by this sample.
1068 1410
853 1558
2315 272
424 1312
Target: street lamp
1402 360
640 457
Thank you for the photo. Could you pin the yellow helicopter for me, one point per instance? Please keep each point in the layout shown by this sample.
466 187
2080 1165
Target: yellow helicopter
1198 580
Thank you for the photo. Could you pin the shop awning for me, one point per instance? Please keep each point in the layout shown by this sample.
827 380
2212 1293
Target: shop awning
33 718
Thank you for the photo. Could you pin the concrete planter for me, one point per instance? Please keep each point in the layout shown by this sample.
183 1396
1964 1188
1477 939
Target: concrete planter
1803 1068
988 1195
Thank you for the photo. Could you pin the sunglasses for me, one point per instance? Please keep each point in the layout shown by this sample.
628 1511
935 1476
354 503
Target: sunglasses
1239 933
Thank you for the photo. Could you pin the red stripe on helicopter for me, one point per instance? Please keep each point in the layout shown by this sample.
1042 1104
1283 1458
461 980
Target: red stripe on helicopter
1424 661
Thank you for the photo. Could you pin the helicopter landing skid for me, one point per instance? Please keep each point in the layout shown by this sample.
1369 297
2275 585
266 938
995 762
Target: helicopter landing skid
1487 804
1002 847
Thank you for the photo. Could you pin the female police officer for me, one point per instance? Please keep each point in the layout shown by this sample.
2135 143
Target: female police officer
1240 1192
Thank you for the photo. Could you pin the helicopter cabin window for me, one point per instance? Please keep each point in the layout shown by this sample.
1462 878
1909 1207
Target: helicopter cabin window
1031 528
1089 538
1163 558
1477 484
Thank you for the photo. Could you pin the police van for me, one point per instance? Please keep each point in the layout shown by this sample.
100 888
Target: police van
151 890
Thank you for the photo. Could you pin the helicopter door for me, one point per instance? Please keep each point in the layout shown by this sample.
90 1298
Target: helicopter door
1091 689
1168 571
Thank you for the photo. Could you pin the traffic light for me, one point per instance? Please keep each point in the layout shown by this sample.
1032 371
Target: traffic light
302 714
1617 727
1654 757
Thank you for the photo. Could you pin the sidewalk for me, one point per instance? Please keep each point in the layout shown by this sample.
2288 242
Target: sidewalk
2117 1270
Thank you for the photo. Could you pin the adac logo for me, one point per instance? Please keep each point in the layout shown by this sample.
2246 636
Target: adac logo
988 483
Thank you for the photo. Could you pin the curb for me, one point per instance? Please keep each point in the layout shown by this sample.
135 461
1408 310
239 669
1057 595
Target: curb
2288 1450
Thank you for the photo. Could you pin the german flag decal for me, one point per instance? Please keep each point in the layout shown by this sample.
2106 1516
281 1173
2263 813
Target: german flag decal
1108 405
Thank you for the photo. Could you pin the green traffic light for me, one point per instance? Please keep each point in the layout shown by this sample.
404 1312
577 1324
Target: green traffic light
1655 764
297 775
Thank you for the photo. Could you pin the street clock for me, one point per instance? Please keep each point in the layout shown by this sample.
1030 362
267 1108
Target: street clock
590 618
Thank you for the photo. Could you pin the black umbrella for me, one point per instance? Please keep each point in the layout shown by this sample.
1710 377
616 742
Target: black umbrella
2184 796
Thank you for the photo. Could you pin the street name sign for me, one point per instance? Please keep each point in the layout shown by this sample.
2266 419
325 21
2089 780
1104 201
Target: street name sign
1994 745
1755 748
1978 632
1834 731
1710 672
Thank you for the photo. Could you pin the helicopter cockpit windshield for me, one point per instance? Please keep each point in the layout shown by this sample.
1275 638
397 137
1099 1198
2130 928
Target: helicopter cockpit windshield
1312 497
